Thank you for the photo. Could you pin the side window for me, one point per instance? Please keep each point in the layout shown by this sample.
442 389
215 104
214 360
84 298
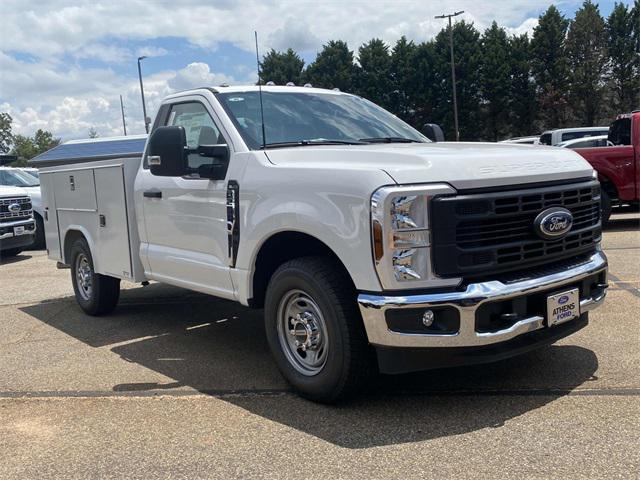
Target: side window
620 132
199 127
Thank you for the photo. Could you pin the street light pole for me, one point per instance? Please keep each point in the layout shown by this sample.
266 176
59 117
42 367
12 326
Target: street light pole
144 106
453 71
124 123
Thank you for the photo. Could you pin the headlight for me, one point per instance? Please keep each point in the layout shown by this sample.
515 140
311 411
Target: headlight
401 236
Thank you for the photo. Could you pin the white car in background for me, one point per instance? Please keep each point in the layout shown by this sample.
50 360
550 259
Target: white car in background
29 184
588 142
554 137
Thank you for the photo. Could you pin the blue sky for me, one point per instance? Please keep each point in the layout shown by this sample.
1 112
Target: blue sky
64 64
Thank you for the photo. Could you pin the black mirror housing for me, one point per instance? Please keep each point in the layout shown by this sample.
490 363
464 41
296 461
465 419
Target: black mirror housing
166 153
433 132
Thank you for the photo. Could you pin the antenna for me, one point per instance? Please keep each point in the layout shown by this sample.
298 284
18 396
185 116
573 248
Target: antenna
264 136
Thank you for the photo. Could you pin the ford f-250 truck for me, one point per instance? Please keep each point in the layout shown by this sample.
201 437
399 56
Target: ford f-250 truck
17 225
618 165
369 247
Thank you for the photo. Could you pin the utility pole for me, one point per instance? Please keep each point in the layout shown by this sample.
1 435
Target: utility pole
144 106
124 123
453 71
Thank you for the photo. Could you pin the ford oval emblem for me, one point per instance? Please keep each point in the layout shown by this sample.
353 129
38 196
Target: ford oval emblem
563 299
14 207
553 223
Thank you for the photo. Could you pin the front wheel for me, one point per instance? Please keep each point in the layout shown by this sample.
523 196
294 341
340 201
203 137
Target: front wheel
95 293
315 331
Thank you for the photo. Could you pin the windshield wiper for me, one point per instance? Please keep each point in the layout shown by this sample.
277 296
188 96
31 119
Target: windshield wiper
304 143
389 140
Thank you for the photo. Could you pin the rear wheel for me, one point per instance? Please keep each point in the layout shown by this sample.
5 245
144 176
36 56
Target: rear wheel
315 331
95 293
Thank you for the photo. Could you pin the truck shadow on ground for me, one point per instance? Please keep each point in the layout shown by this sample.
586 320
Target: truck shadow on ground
21 257
218 348
624 224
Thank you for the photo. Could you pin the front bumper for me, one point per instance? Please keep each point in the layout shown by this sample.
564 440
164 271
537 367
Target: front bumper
589 273
9 240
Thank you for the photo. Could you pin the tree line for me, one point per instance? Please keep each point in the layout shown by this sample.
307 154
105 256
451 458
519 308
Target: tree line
23 147
578 72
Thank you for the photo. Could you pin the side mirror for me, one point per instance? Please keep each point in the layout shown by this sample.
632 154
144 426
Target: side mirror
166 153
433 132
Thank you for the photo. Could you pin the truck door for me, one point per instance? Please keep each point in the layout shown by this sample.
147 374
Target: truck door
185 218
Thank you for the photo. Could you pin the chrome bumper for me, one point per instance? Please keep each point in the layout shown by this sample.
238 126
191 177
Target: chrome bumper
373 308
18 223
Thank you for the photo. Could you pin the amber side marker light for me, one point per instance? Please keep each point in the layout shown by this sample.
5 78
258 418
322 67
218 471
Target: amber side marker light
377 240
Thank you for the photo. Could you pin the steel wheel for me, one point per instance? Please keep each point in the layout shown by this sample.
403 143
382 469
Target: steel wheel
84 276
302 332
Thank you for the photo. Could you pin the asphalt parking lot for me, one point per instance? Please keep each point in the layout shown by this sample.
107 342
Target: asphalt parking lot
181 385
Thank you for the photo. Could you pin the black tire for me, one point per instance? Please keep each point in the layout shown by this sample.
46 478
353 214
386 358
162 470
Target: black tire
605 207
349 360
10 252
39 242
102 294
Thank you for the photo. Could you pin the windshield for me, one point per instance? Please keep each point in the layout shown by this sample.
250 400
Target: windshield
17 178
313 118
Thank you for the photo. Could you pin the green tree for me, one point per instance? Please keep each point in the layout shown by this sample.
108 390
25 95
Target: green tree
25 148
333 67
495 80
281 67
93 133
373 78
624 73
6 136
522 93
586 54
468 58
550 69
422 94
403 72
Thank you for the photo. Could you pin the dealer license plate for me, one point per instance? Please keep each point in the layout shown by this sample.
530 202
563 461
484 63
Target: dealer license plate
18 230
563 307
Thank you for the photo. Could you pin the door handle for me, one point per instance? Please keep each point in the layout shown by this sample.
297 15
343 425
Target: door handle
152 194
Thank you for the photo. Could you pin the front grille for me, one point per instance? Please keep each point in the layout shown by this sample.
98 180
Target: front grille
486 233
23 214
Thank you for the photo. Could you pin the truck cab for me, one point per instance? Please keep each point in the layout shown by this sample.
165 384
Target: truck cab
369 247
618 164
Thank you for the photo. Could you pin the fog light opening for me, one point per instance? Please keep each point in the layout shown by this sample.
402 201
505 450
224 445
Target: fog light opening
427 318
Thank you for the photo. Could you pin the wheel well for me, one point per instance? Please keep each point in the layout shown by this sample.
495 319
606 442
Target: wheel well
69 240
281 248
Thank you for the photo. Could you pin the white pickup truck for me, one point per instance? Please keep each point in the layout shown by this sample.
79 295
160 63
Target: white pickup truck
370 247
17 225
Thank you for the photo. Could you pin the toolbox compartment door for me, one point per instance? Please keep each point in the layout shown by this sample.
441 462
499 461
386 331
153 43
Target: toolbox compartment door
113 236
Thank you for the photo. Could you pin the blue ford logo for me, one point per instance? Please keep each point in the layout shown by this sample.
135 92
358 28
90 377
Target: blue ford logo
563 299
553 223
14 207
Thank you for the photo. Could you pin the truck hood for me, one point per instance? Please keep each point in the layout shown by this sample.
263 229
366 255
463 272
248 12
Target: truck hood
462 165
6 191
